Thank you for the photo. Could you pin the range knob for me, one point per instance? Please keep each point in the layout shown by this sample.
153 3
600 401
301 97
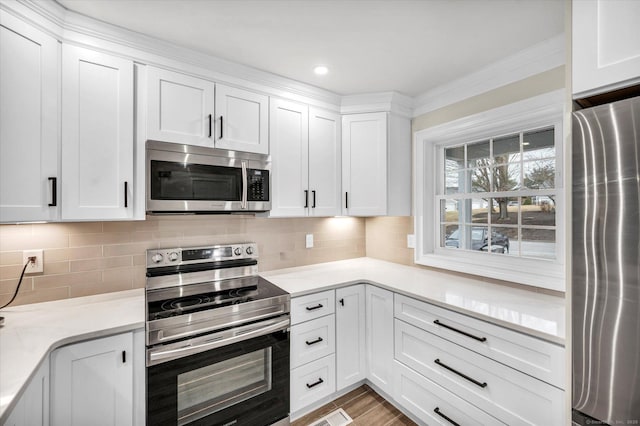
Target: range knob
173 256
249 250
237 251
157 258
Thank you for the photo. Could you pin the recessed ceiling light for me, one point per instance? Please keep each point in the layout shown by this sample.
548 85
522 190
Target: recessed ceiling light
321 70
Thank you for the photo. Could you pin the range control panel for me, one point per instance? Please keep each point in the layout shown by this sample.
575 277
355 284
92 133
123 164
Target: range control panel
186 256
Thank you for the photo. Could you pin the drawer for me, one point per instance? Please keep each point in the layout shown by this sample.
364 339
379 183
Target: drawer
312 306
431 403
508 395
540 359
313 340
312 382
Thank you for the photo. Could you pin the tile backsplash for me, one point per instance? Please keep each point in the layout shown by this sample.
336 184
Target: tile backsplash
87 258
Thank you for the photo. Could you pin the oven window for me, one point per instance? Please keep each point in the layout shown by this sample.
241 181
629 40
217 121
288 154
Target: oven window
195 182
218 386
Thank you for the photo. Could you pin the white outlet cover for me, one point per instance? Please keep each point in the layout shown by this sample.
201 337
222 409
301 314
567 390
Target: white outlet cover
411 241
309 241
36 268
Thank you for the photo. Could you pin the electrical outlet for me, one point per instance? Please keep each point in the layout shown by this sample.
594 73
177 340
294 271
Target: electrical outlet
36 267
309 241
411 241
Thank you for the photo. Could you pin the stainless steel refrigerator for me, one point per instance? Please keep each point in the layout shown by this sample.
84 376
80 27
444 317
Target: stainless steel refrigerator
606 264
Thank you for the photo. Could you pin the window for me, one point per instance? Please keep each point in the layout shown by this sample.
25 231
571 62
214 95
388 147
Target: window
489 197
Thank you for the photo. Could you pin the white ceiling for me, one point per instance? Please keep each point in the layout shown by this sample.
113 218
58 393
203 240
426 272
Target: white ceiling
409 46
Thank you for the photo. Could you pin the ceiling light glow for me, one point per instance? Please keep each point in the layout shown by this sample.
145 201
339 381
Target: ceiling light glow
321 70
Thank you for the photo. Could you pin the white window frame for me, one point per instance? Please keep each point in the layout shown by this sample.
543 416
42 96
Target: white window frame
538 112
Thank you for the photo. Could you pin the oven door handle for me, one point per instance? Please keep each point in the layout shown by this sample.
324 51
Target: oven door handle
216 340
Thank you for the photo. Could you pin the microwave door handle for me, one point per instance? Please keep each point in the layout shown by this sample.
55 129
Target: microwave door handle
245 189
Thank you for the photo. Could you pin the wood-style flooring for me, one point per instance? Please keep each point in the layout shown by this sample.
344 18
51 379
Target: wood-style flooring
364 406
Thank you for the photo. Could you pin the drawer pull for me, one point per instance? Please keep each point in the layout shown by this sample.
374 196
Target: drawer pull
480 339
464 376
444 416
313 342
313 308
320 381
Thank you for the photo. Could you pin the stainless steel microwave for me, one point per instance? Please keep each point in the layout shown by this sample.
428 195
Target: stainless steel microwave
193 179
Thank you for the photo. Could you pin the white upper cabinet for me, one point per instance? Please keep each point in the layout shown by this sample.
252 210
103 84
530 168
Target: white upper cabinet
305 154
324 163
376 165
29 76
242 120
97 135
180 108
606 45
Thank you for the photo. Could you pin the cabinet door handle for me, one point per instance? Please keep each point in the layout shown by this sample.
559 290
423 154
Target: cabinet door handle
341 302
54 191
313 308
313 196
480 339
126 194
346 200
315 384
306 198
313 342
210 123
464 376
124 357
444 416
221 127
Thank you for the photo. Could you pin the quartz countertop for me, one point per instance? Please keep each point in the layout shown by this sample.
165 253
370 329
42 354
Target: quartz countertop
536 314
31 332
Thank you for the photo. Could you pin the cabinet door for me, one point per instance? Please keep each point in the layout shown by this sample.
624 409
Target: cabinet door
364 164
289 131
179 108
241 120
32 408
29 83
350 335
379 311
606 45
324 163
97 135
92 382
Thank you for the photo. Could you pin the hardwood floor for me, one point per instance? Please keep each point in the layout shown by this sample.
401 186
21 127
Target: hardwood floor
364 406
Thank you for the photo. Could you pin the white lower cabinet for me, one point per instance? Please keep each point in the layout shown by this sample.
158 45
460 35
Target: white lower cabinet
351 360
433 404
379 337
312 340
92 382
32 409
312 382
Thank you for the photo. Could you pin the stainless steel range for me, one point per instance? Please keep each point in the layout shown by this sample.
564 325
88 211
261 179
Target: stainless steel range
217 339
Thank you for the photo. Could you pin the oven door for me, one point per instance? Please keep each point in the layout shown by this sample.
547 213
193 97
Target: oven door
243 383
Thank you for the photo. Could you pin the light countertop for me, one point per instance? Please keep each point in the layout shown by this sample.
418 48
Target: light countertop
536 314
31 332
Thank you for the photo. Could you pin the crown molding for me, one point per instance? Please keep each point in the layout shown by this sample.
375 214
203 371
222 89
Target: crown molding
538 58
393 102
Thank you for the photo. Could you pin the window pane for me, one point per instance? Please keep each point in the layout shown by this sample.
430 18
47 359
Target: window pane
540 174
540 210
477 237
477 210
539 243
538 144
501 240
450 210
478 154
504 211
480 179
454 182
454 158
506 149
506 178
450 236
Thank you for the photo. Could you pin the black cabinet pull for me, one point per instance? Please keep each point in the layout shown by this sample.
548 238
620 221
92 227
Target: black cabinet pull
221 127
464 376
444 416
124 357
313 308
313 193
346 200
480 339
306 198
54 191
126 194
320 381
341 302
210 122
313 342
